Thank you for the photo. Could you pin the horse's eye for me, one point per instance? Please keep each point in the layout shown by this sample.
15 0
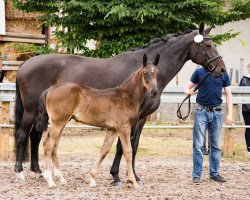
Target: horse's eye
208 45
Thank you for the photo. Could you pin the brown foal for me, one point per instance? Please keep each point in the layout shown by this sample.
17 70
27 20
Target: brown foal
115 109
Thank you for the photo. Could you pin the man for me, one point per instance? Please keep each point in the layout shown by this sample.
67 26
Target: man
208 116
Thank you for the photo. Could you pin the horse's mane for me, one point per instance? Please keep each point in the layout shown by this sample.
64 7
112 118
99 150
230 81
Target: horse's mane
163 39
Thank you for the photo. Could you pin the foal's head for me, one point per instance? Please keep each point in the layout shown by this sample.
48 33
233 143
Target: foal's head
149 75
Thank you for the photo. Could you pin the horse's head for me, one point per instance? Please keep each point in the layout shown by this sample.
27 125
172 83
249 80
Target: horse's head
149 75
204 52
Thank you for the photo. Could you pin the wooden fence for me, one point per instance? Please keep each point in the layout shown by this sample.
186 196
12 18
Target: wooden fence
169 95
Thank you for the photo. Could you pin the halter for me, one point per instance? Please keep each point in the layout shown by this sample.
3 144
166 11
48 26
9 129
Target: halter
210 67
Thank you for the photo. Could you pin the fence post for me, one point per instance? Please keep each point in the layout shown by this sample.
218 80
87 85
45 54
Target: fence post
228 143
4 132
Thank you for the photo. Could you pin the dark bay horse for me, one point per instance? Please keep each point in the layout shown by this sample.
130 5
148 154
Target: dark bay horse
40 72
96 107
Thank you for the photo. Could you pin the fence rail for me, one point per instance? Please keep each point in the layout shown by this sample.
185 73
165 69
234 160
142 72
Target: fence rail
173 94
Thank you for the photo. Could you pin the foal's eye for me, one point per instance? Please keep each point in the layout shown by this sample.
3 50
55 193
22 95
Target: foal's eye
146 76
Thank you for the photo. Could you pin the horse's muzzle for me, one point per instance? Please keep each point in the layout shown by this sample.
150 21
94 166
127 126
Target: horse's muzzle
154 92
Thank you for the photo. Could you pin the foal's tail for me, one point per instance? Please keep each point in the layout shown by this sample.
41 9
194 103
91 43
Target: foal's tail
42 119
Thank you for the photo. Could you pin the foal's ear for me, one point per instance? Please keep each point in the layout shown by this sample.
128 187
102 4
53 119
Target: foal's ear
208 29
156 61
145 60
201 28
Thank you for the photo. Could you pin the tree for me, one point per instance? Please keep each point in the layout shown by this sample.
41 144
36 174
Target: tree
124 24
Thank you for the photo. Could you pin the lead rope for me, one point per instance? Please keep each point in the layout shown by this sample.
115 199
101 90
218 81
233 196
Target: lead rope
179 114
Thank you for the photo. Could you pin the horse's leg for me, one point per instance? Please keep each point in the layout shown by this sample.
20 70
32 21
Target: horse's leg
108 141
124 134
135 135
137 129
35 138
57 171
48 145
21 142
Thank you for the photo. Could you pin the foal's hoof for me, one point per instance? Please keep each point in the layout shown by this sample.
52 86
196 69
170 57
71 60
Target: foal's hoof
52 185
117 184
20 176
134 184
92 183
63 182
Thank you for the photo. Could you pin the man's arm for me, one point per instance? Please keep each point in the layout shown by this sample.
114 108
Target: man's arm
189 89
229 103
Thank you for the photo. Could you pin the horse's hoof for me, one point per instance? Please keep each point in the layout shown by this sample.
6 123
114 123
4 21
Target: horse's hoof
139 182
36 169
117 184
20 176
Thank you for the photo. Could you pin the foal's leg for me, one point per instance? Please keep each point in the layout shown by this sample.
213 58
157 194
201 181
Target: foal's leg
108 141
57 171
135 135
124 134
48 145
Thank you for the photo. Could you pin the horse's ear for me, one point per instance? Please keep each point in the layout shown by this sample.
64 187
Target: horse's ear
208 29
145 60
156 61
201 28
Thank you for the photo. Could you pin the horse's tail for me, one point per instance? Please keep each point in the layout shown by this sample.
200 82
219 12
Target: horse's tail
42 119
18 112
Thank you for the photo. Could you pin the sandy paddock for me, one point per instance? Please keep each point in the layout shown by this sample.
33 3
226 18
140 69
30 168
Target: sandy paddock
164 164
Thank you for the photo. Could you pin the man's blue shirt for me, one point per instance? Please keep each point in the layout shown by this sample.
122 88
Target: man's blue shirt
209 94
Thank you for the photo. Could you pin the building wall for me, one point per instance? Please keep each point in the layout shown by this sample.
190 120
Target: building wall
231 51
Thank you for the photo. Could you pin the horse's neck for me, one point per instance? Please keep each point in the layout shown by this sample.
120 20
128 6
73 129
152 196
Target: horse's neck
173 56
134 88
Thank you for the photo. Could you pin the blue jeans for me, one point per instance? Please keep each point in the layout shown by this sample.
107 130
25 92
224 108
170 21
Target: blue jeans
203 121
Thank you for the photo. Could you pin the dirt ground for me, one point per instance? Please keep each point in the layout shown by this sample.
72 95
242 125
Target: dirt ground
164 163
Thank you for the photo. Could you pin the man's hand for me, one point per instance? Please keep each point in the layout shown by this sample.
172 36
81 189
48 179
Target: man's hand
229 120
189 89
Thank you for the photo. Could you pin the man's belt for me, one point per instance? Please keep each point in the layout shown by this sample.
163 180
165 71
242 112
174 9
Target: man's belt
210 109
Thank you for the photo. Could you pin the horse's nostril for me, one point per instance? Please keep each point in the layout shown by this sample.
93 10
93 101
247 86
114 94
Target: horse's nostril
223 70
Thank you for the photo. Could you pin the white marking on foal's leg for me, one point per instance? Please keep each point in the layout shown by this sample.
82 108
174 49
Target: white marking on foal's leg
48 177
58 174
92 182
20 176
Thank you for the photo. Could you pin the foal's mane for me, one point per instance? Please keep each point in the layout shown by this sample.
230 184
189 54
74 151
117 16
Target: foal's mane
163 39
131 75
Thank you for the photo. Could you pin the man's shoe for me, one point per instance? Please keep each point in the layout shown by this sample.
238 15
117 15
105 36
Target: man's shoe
196 180
218 178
